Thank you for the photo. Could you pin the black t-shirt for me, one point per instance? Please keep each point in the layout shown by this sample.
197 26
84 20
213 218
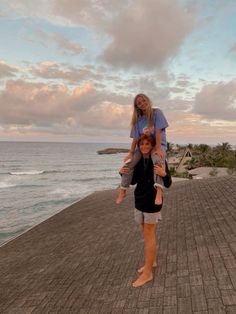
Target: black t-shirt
145 193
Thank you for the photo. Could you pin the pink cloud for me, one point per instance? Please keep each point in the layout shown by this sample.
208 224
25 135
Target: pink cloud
217 101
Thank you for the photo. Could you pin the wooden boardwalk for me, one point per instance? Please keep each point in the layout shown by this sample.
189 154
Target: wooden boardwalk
84 259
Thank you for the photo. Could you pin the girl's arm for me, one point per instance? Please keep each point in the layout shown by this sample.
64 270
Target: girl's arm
132 149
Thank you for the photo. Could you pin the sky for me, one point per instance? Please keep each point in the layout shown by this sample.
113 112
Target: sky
70 69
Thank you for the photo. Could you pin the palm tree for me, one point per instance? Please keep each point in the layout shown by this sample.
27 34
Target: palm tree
223 148
232 163
203 148
192 163
222 153
169 146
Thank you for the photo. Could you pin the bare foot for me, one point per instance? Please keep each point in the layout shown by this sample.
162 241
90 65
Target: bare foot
158 199
142 279
141 269
121 196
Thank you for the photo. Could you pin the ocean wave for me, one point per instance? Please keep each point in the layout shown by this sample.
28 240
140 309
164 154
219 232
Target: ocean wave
84 180
9 161
96 179
98 170
5 185
30 172
64 193
31 186
62 201
12 232
55 171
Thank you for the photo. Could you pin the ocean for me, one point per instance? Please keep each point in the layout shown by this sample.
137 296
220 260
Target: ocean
37 180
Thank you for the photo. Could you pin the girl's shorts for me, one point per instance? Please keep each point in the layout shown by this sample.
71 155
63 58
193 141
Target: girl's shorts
146 218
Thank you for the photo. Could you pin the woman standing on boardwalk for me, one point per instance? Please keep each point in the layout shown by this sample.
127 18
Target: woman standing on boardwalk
146 212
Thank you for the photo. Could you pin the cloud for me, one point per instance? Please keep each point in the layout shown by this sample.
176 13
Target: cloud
143 36
176 104
93 14
63 43
141 33
37 106
183 83
233 49
148 85
7 70
89 13
40 9
188 127
40 104
154 84
53 70
38 110
107 115
217 101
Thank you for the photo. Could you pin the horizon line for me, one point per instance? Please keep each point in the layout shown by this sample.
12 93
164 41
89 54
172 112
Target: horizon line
70 142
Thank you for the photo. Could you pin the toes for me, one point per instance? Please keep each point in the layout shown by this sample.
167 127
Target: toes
141 281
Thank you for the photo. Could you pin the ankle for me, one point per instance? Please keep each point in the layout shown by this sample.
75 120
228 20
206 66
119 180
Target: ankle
147 271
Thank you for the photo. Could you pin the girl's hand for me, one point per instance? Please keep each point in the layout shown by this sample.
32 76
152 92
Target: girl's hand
159 170
124 170
129 156
148 131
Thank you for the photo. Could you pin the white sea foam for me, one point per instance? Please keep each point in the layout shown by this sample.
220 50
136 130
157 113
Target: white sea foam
32 172
70 191
6 185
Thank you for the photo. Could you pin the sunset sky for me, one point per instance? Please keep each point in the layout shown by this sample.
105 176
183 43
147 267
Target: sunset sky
69 69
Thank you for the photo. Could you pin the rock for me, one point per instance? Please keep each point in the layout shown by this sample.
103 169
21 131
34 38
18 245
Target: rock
113 151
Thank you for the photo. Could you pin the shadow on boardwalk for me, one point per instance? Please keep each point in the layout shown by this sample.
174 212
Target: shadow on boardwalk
83 259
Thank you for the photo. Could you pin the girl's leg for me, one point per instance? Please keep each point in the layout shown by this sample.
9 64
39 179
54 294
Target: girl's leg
149 231
127 178
158 181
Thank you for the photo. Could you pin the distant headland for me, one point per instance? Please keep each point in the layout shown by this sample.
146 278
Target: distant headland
113 151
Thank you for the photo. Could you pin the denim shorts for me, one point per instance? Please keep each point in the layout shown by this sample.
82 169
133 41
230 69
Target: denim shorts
147 218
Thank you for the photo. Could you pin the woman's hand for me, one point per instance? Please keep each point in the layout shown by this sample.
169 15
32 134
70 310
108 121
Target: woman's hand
160 153
159 170
124 170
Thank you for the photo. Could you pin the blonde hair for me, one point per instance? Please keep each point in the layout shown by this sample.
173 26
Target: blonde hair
138 112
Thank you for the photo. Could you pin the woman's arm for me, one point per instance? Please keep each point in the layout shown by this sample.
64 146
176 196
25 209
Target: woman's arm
164 173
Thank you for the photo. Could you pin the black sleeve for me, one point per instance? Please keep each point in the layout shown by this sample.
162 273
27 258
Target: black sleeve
167 179
134 178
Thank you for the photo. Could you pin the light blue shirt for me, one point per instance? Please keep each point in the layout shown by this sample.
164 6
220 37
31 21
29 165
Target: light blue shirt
159 123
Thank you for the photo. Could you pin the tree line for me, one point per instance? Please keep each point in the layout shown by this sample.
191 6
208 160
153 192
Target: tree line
203 155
